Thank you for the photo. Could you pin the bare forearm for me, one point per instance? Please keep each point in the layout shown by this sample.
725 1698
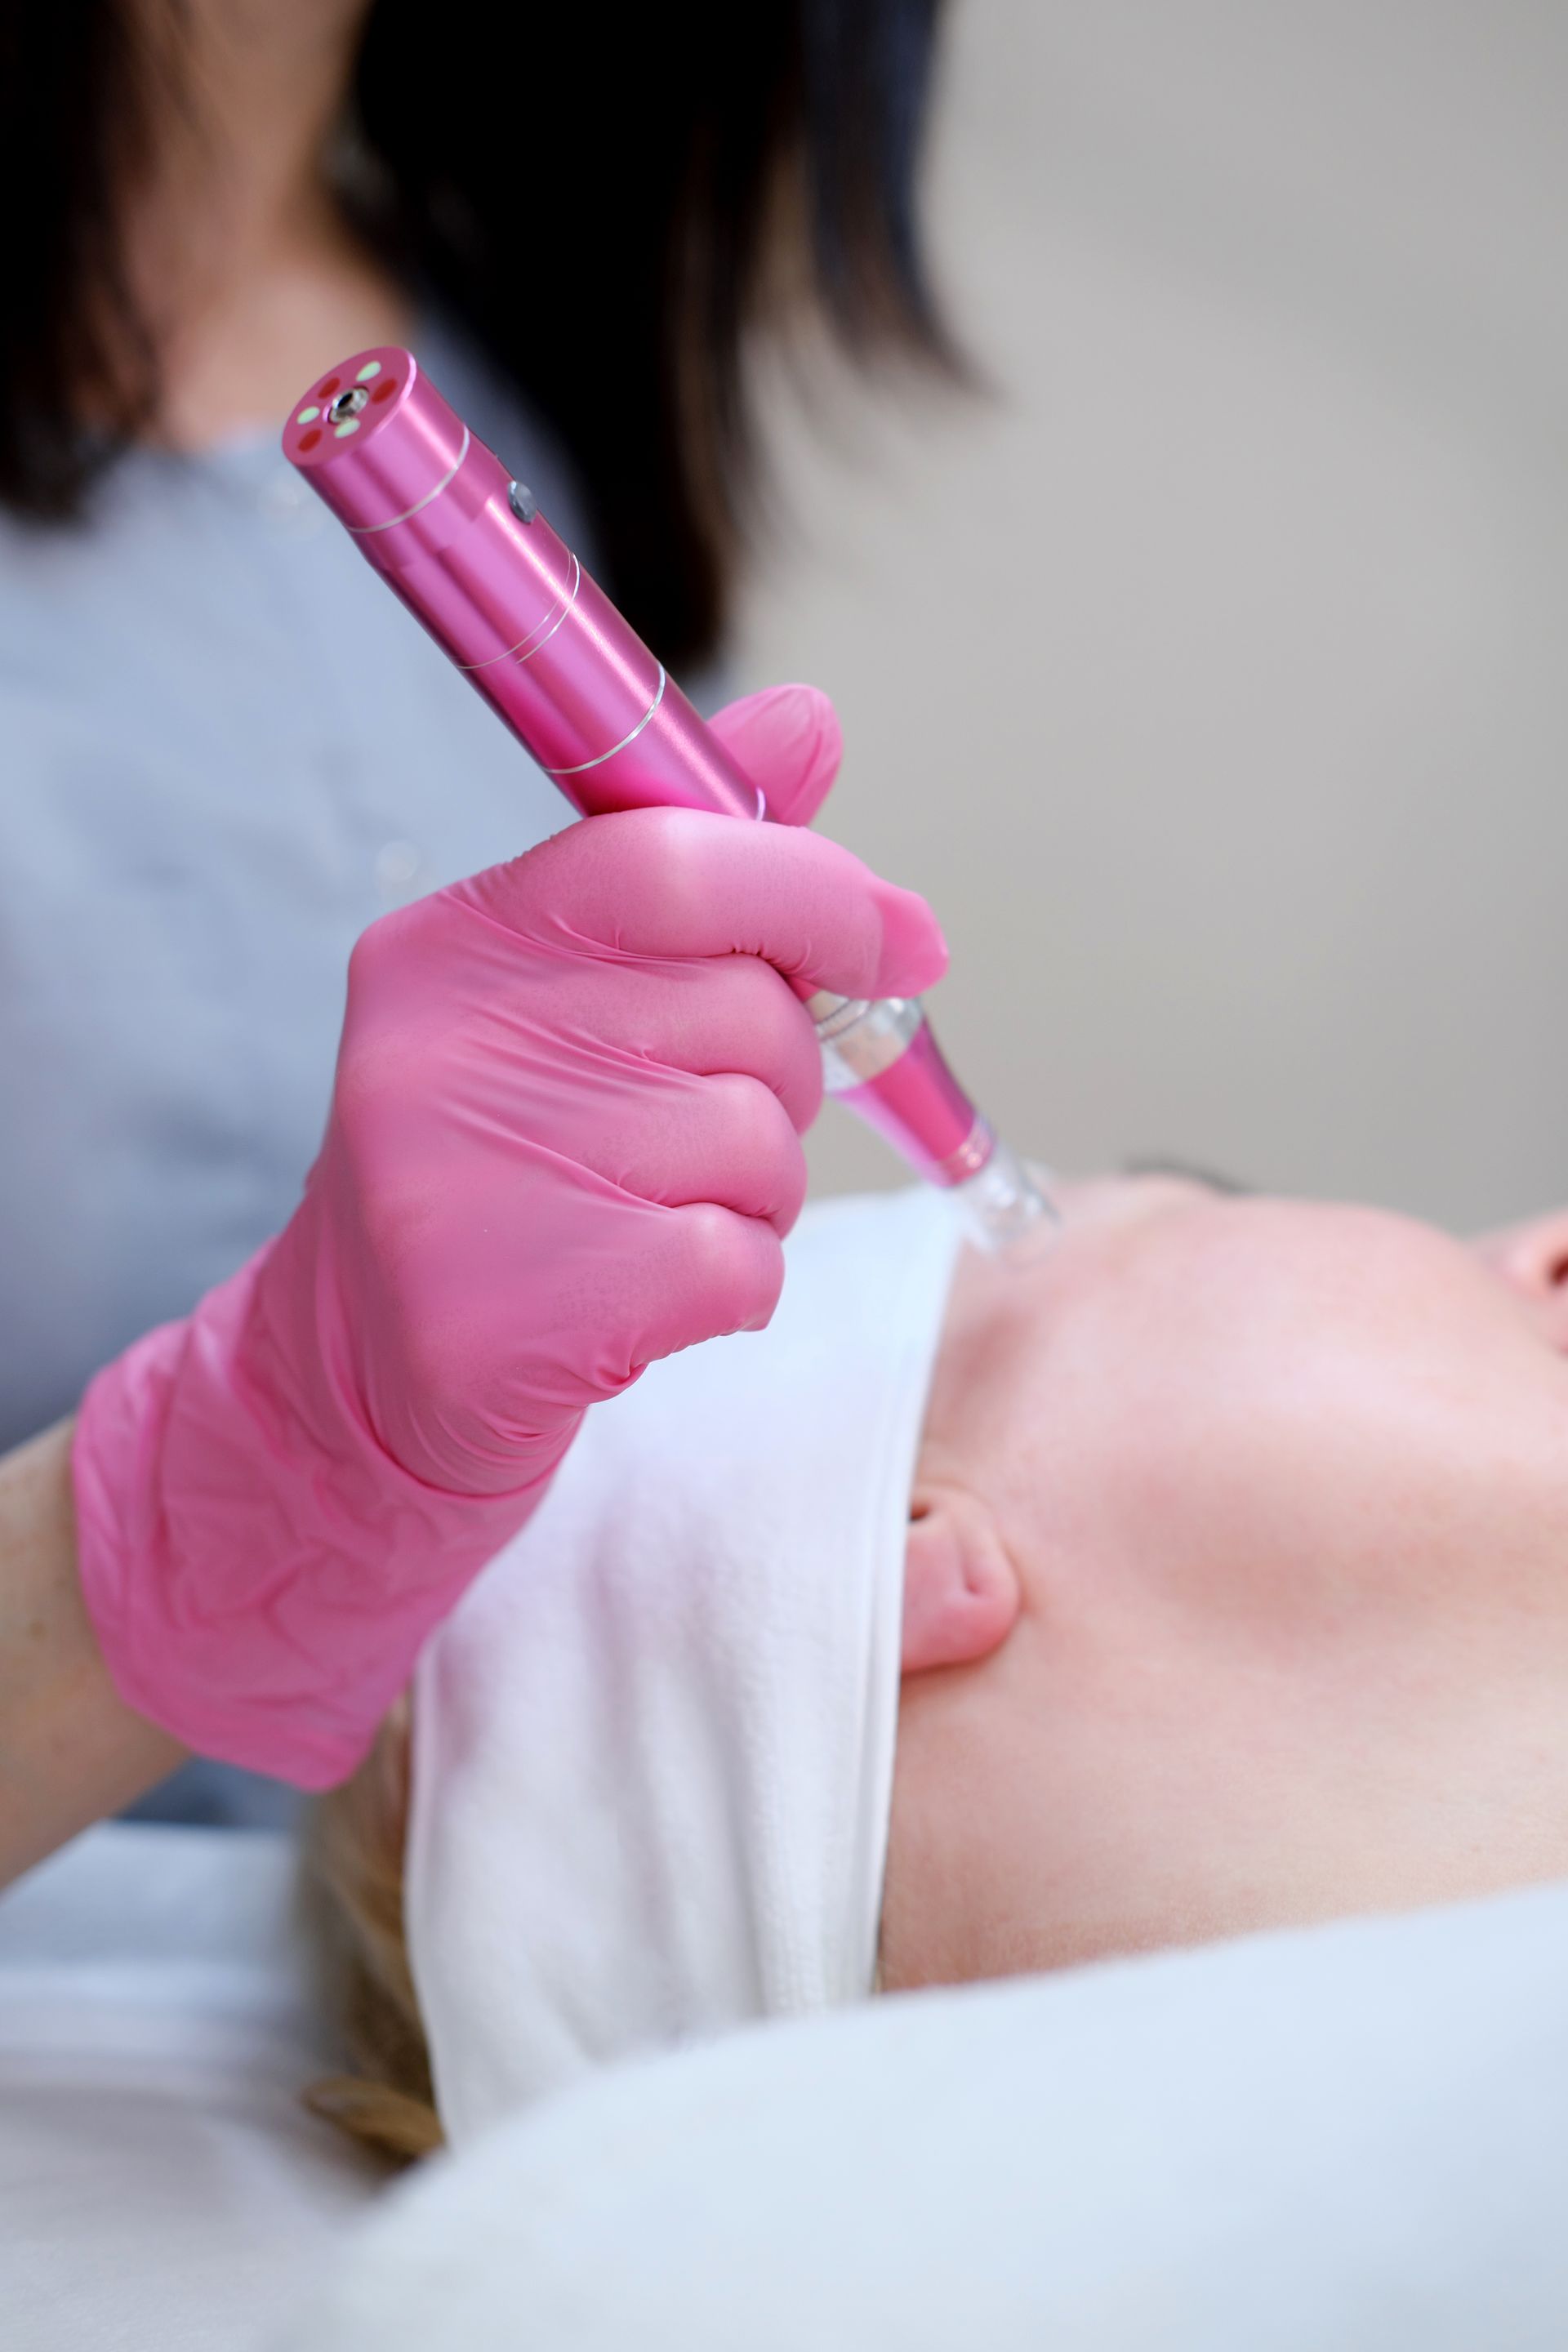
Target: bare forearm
70 1748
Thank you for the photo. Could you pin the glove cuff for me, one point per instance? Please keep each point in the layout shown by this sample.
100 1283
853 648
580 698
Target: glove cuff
262 1583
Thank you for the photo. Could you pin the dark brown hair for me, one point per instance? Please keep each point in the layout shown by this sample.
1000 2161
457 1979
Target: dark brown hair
603 210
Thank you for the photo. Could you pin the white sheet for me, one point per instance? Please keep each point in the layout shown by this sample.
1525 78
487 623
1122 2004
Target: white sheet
159 2185
1353 2139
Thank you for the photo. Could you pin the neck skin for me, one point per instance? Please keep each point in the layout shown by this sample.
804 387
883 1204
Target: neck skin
248 276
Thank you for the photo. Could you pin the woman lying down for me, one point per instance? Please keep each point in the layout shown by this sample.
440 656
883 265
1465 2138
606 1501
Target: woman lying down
1204 1570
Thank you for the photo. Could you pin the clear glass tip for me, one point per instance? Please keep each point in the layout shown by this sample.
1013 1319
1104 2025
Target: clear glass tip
1005 1201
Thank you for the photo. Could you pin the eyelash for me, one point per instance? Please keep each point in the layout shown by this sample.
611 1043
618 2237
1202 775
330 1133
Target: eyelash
1156 1164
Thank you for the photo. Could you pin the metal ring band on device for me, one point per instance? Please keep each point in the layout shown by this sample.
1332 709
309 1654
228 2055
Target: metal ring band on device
363 530
972 1153
600 758
541 636
861 1037
832 1015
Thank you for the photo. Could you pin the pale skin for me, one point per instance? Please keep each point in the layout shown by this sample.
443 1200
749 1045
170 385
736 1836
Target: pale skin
70 1748
1237 1586
249 278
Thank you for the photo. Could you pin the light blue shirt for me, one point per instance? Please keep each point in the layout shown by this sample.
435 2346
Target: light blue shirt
225 748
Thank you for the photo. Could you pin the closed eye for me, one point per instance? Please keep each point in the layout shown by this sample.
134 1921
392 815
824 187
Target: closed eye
1156 1164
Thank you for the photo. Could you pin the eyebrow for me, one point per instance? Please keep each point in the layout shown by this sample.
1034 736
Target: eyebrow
1160 1163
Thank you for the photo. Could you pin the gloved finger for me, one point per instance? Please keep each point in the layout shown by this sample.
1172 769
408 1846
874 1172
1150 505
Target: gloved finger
744 1018
787 740
733 1015
679 1276
632 1281
712 1273
679 882
725 1138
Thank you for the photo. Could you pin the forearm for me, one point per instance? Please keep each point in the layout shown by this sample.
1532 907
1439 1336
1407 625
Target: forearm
70 1748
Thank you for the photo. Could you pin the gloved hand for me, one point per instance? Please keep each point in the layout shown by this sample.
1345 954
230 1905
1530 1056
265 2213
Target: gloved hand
564 1142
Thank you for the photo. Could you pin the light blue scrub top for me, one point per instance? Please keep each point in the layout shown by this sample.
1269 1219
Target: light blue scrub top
225 748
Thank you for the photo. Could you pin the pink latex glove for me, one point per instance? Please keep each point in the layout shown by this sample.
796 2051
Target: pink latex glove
564 1142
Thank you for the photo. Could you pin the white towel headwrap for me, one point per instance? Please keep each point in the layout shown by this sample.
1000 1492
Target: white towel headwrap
653 1749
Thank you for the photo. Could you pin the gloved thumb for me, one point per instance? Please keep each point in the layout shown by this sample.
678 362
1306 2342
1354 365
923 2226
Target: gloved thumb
788 742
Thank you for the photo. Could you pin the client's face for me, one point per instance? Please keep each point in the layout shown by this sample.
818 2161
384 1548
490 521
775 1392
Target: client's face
1279 1494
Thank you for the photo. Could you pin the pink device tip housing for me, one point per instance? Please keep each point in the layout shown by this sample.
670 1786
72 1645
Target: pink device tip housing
467 552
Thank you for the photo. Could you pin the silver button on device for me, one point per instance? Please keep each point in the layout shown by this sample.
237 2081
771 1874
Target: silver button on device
522 502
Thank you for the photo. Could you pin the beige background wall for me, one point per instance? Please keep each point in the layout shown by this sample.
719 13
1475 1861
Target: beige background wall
1211 677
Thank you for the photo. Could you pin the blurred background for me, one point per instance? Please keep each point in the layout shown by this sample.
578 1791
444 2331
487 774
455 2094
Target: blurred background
1209 672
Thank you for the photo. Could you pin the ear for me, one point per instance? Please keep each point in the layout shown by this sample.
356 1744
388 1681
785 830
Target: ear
1532 1259
962 1594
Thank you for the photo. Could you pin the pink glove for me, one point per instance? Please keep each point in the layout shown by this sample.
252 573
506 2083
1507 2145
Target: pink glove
563 1140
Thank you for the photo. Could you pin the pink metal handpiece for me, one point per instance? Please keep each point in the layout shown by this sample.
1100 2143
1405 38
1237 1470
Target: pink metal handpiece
468 552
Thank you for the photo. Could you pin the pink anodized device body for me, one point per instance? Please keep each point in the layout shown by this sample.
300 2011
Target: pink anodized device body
467 552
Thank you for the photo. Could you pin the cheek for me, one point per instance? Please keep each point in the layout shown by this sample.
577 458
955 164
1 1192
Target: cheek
1257 1485
1112 1793
964 1821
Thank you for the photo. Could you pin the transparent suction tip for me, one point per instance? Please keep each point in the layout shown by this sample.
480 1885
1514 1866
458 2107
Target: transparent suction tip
1005 1201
